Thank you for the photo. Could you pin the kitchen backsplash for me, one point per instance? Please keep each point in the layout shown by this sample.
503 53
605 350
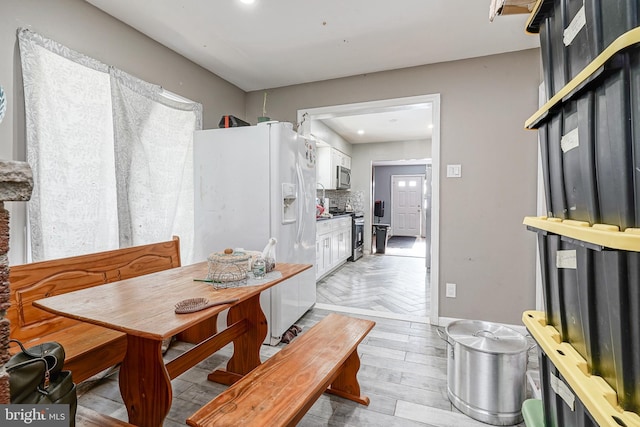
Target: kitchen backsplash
340 198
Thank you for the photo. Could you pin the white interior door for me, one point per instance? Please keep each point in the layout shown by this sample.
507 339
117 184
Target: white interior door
407 194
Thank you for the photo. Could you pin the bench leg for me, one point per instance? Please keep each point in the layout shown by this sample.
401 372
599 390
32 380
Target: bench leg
144 382
346 383
246 347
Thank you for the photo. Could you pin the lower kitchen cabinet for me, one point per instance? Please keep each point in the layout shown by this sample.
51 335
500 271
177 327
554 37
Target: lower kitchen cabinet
339 241
333 244
323 253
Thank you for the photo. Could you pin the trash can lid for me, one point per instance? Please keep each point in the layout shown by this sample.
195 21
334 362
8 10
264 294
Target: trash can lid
487 337
382 225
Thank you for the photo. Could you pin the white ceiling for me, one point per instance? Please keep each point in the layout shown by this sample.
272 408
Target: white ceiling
275 43
408 124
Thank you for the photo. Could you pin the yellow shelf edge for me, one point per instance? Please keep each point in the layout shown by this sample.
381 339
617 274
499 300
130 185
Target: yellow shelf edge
598 234
596 395
625 40
532 15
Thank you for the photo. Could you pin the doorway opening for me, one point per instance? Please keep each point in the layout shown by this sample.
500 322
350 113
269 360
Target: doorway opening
363 157
405 188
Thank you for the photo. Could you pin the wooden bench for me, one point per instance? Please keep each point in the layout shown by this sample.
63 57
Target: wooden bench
282 389
89 349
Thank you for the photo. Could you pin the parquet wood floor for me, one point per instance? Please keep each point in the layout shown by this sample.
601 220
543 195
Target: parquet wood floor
403 362
382 285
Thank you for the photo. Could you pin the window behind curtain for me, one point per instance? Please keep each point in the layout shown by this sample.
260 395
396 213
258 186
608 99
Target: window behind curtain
111 157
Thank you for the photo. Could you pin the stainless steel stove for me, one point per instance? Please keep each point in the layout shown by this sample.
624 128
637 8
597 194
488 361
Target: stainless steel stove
357 233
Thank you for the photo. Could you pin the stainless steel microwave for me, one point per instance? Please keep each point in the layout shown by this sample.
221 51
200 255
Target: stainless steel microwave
344 178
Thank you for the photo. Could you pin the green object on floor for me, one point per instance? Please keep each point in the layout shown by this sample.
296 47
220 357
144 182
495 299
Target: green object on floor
532 413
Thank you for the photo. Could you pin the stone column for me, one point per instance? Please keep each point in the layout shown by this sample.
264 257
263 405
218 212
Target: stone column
16 184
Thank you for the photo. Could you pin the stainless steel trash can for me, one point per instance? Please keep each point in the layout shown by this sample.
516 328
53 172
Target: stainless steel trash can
381 237
486 370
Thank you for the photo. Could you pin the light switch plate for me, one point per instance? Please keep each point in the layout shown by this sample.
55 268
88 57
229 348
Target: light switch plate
454 171
451 290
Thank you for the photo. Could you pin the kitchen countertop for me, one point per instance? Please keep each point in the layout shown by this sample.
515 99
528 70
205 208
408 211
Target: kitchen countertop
335 216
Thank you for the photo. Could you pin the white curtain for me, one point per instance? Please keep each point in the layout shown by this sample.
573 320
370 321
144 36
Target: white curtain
154 163
70 149
111 157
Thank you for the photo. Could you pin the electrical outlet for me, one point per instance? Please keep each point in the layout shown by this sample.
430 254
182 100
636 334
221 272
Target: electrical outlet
451 290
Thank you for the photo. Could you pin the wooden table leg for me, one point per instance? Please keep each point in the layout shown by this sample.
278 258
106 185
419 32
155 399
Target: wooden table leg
246 348
144 382
200 332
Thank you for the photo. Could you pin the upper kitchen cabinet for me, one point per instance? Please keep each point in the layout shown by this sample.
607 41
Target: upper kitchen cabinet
329 159
340 159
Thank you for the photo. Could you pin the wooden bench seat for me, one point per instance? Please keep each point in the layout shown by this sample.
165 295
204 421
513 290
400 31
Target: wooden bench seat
84 341
86 417
89 349
282 389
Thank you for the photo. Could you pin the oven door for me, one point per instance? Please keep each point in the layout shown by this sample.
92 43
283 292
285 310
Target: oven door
358 239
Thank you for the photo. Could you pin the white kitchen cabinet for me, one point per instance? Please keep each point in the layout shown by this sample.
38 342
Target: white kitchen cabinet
328 159
340 239
348 243
340 159
324 247
333 244
324 254
319 263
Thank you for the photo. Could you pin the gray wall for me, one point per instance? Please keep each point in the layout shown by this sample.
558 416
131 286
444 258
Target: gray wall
88 30
484 248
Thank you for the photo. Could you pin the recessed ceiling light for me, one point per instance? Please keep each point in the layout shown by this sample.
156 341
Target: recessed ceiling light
430 126
360 132
248 1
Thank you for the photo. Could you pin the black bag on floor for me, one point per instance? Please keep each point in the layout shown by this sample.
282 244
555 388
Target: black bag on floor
36 377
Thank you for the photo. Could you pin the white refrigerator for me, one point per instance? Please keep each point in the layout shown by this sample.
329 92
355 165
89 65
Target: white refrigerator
252 183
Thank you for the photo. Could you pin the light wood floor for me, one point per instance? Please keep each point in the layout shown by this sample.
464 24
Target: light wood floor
403 367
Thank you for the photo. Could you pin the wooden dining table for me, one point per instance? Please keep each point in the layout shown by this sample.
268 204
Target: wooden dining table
144 309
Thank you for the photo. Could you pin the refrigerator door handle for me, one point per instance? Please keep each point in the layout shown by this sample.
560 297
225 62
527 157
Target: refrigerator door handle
302 202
